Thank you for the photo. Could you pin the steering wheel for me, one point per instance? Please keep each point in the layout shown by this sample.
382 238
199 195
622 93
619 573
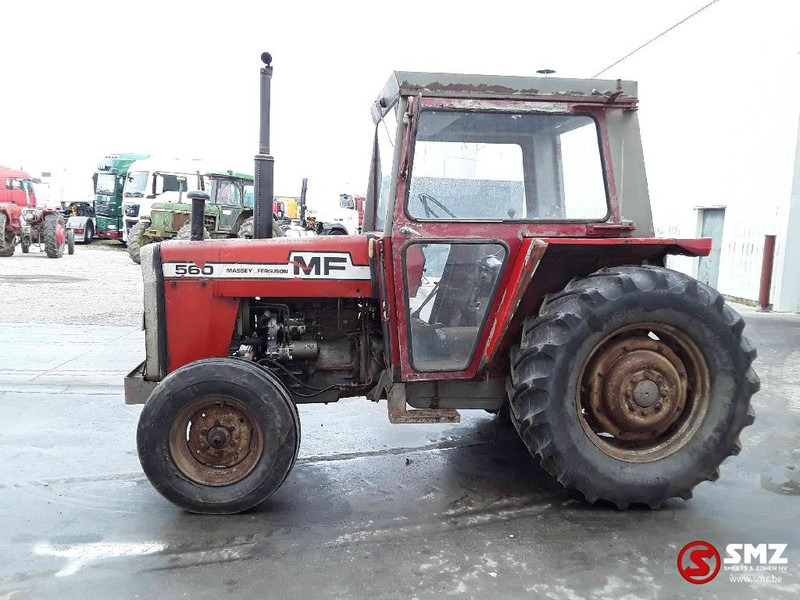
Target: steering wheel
426 200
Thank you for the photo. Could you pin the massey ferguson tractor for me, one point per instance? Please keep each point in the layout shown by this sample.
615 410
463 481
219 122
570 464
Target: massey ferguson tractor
507 262
24 222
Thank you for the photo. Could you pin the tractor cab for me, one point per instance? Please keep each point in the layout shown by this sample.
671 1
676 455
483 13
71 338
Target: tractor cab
469 175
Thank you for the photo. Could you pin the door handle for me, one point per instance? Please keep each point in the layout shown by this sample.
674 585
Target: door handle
406 230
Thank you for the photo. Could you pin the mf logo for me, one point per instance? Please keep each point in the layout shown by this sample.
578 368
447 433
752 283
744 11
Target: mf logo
318 265
326 265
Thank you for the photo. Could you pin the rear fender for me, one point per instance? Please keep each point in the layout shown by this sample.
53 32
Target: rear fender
546 265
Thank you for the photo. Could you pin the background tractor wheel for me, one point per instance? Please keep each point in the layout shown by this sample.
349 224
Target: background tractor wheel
70 241
185 233
633 385
136 239
246 229
7 239
218 436
88 233
54 234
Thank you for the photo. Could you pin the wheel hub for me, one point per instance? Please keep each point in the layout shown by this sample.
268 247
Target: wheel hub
214 441
637 389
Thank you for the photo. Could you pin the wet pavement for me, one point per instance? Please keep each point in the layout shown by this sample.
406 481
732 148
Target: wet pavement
371 510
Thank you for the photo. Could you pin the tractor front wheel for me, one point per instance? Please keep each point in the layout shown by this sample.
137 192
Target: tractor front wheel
218 436
7 238
247 228
137 237
185 233
633 384
54 235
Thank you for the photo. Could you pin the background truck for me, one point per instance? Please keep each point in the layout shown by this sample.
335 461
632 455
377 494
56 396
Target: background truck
507 264
109 181
343 218
23 222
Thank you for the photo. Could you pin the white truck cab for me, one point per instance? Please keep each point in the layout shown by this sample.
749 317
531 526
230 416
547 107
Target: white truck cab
153 180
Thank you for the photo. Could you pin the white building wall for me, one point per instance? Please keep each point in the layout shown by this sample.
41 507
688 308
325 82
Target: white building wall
720 107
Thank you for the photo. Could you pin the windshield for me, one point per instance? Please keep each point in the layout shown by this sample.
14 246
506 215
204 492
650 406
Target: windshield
225 191
106 184
136 184
506 167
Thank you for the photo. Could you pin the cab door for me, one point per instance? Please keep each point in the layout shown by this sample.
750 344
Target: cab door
450 246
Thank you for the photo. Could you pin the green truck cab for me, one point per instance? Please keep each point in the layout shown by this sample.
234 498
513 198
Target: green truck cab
109 179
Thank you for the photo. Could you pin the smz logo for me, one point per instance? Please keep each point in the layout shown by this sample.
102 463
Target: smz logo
699 562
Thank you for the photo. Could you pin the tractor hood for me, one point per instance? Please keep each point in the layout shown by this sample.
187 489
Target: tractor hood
324 266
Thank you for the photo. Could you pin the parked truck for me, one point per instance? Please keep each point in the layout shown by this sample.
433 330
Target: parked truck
109 181
507 263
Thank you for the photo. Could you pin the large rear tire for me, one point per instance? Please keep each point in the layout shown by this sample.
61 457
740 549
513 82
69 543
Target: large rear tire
247 228
7 239
218 436
633 384
185 233
136 239
54 234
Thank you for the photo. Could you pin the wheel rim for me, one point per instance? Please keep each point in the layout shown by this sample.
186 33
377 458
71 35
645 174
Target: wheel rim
643 392
215 441
61 236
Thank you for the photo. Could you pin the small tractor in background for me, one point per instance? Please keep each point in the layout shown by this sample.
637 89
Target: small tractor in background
507 263
228 214
21 220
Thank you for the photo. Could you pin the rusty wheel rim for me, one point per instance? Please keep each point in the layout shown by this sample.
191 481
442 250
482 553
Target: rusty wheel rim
643 392
215 441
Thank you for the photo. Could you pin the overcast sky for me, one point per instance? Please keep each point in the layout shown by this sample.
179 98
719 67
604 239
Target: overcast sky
173 78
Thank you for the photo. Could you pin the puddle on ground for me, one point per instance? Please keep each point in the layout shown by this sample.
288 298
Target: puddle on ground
789 487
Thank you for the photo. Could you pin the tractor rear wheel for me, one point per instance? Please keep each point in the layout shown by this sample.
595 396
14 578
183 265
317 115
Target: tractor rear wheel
54 235
137 238
247 228
185 233
633 384
7 239
218 436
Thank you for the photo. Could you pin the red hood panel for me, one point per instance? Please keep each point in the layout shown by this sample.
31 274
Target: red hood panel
324 266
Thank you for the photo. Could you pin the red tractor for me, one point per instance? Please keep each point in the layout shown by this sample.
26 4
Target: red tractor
507 264
21 219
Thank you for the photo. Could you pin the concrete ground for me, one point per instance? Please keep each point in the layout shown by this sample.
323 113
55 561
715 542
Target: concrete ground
371 510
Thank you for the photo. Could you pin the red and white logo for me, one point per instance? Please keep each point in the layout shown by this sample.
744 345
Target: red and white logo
699 562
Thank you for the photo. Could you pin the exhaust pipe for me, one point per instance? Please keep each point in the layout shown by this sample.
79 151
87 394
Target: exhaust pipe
198 214
265 164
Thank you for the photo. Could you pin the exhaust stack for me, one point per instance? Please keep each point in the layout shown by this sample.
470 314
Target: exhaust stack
265 163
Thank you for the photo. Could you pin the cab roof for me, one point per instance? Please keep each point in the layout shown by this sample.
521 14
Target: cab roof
501 87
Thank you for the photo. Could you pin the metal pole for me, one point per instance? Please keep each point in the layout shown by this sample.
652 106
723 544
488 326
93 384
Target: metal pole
303 192
766 273
198 214
264 163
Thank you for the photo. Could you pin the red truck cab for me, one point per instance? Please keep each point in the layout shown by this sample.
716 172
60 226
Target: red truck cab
16 187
